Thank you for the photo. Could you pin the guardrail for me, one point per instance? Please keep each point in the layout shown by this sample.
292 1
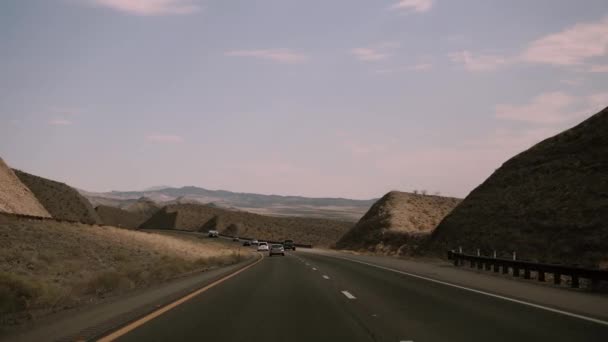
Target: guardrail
269 241
517 267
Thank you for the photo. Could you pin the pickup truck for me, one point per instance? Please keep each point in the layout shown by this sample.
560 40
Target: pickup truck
289 244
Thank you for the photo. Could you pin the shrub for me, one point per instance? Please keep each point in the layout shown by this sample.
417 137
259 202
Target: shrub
16 293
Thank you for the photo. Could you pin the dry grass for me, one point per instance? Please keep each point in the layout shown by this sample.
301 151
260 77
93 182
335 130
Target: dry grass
398 223
47 266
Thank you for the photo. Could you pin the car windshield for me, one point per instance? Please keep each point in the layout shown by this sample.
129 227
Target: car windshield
442 165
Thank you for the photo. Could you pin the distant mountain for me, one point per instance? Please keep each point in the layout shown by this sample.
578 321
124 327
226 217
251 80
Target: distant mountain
275 205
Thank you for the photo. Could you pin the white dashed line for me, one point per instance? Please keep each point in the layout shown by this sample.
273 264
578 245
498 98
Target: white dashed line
314 269
348 295
326 277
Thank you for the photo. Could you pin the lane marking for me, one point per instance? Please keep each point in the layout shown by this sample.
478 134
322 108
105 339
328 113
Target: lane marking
326 277
537 306
134 325
348 295
314 269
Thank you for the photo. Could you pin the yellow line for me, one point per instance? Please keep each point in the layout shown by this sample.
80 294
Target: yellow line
134 325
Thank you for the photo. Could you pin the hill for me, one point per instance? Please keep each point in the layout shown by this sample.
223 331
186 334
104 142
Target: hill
273 205
397 223
15 197
60 200
548 203
143 206
197 217
117 217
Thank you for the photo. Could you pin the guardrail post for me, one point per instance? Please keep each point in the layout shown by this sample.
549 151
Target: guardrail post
541 275
575 283
526 273
478 252
557 278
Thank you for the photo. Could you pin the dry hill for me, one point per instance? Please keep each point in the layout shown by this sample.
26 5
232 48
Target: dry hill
117 217
196 217
15 197
144 206
398 222
548 203
60 200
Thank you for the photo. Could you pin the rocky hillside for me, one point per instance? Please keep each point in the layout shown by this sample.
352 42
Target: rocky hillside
60 200
196 217
548 203
397 223
15 197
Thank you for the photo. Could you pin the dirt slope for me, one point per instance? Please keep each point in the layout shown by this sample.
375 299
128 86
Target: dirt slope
196 217
15 197
548 203
397 223
60 200
143 206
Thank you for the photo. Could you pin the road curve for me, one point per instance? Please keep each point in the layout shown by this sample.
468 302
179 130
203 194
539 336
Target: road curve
304 297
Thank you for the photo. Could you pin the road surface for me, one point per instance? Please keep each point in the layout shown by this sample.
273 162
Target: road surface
311 297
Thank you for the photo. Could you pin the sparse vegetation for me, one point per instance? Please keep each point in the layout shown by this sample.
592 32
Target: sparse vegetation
399 223
46 266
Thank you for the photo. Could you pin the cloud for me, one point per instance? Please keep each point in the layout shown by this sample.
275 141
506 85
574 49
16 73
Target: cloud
369 54
553 108
572 82
60 122
286 56
598 68
165 138
150 7
478 62
572 46
413 5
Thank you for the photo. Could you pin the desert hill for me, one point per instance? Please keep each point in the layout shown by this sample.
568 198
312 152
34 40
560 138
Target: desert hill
549 203
15 197
60 200
398 222
197 217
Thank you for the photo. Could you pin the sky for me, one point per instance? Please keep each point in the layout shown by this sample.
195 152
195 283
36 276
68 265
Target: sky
324 98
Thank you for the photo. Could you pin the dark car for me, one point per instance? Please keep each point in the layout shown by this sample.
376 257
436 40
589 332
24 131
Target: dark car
289 244
247 243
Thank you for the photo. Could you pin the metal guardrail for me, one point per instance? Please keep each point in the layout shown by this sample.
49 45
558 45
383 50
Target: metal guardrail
517 267
269 241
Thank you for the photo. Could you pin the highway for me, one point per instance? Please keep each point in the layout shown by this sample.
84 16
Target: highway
313 297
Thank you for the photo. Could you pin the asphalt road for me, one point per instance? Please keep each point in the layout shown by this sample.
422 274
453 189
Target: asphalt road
308 297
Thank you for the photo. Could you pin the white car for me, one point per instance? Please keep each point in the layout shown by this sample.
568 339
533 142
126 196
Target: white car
263 247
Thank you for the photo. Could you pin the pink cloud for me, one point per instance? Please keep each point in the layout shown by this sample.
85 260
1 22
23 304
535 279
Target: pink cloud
413 5
478 62
60 122
369 54
572 46
150 7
